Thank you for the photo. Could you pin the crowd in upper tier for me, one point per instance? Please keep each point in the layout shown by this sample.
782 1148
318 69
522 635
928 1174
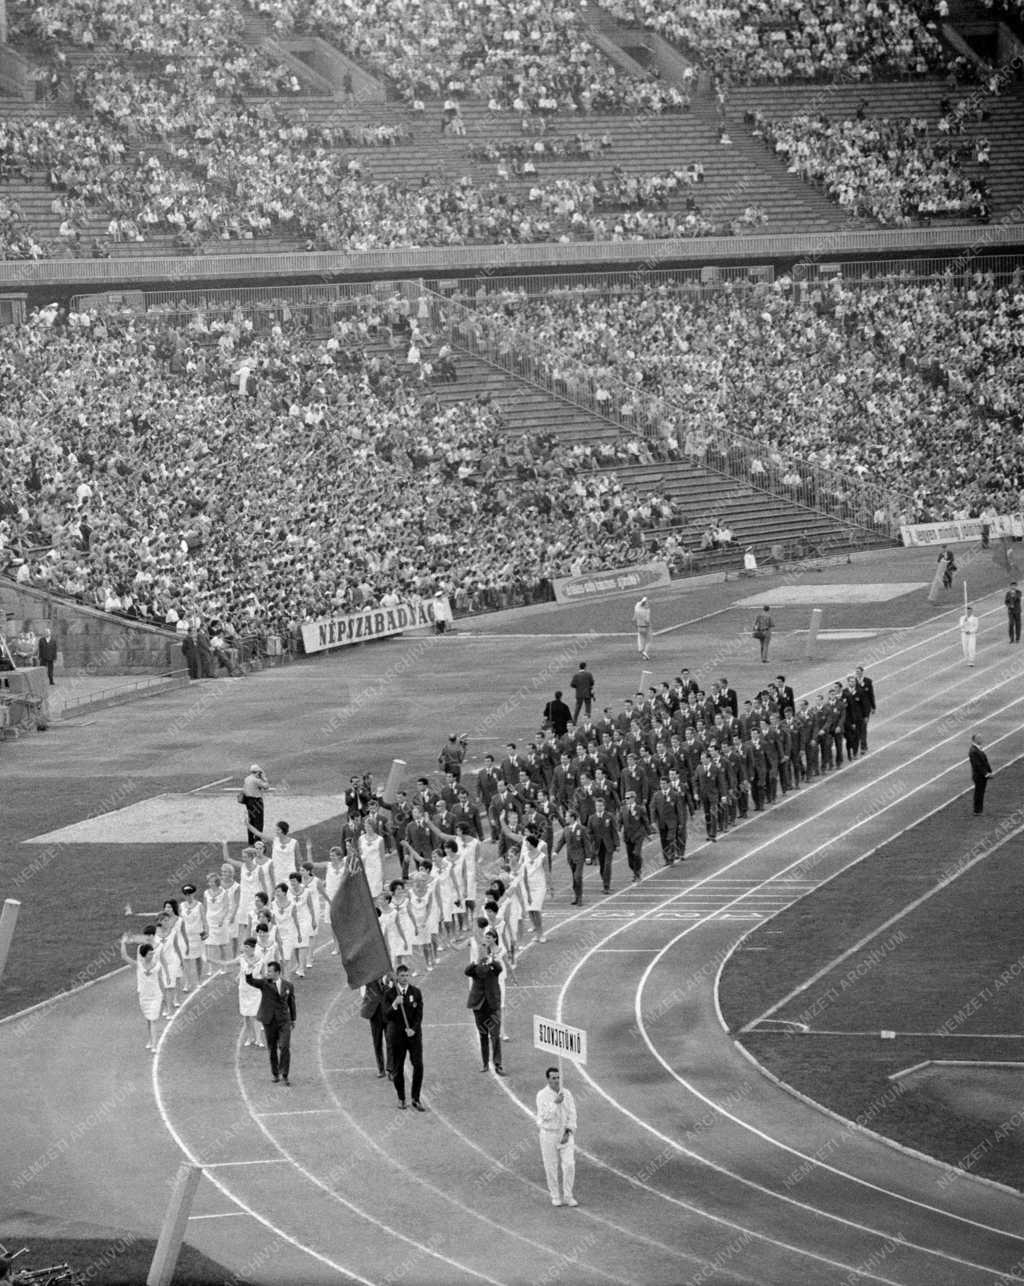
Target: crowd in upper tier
913 386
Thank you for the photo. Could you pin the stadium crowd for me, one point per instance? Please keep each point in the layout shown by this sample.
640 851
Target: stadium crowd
530 57
912 386
142 455
758 41
891 170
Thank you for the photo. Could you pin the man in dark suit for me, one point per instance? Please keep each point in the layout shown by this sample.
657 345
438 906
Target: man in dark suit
372 1009
487 782
1012 601
277 1014
635 829
557 715
981 771
582 683
866 692
669 812
786 693
47 647
604 840
403 1009
485 1001
727 698
576 842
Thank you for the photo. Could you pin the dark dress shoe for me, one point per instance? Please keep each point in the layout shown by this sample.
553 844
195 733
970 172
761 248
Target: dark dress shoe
277 1080
381 1075
401 1105
285 1080
418 1105
500 1071
485 1068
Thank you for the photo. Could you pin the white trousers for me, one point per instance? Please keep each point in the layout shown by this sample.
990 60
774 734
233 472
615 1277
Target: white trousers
553 1152
969 643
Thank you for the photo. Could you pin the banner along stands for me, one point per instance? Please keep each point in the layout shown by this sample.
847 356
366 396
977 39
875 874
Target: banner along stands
361 627
570 589
958 531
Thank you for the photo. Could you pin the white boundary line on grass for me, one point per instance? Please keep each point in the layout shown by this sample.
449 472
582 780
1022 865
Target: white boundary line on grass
893 919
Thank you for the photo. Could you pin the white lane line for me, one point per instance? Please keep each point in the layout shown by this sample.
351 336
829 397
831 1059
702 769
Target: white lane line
224 1214
380 1225
303 1111
908 1035
221 1165
893 919
442 1193
71 991
217 1183
721 1169
769 1138
218 782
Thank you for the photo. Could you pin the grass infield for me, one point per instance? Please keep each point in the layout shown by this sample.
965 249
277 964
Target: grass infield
947 978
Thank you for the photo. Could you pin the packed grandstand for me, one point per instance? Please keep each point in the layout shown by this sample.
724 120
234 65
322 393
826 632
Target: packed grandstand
269 462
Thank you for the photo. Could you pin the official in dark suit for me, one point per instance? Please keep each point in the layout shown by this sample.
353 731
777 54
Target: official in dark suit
277 1014
582 683
372 1009
576 842
485 1002
728 699
669 812
47 648
403 1009
981 771
1012 601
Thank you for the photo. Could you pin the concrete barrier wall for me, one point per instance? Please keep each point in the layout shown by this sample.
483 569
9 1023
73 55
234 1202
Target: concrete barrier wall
89 641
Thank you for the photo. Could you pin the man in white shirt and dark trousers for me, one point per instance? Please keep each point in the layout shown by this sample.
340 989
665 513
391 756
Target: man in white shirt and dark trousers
556 1120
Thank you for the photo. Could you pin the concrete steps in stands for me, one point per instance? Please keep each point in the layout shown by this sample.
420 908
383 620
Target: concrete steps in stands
701 494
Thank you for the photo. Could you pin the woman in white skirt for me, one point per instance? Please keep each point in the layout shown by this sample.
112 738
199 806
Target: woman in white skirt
371 850
148 986
217 905
285 919
248 997
193 926
251 880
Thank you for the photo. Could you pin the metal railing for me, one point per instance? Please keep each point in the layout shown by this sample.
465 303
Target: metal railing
491 258
755 464
1002 267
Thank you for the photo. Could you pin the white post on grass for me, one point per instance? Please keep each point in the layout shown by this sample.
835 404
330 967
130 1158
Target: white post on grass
398 767
812 634
8 919
172 1234
644 676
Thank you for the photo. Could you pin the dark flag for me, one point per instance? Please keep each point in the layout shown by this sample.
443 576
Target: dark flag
357 928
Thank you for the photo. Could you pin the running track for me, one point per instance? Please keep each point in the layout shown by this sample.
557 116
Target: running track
693 1166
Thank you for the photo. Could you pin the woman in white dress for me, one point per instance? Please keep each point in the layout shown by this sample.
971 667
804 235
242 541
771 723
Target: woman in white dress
371 850
251 880
173 960
393 925
148 986
248 997
217 906
425 909
533 872
285 919
329 886
303 898
193 925
284 854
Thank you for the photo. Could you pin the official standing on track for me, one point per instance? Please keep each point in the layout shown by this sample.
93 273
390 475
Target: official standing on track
1012 601
642 621
981 771
254 787
556 1120
763 626
969 635
582 683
